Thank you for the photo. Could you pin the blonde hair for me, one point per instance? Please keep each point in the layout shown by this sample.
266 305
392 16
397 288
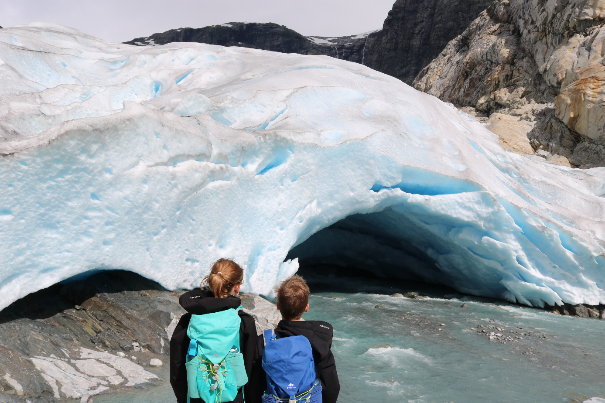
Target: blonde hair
224 275
293 297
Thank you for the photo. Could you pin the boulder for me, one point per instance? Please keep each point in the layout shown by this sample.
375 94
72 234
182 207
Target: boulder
593 313
155 362
579 310
512 132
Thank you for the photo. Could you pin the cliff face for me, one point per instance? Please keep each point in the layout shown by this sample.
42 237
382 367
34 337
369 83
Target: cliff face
413 34
538 63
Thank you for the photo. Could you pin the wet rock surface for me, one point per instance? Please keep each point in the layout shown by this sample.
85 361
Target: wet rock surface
107 333
582 311
265 313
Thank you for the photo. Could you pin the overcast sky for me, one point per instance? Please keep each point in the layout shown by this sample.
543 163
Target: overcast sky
122 20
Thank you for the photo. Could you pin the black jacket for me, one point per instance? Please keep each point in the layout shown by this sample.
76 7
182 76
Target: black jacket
200 302
320 336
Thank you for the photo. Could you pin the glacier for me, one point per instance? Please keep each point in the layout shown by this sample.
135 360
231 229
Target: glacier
160 160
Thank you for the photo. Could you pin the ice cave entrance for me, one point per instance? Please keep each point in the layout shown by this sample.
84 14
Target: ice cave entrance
386 244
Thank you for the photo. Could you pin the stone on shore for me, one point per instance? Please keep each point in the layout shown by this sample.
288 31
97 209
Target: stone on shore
155 362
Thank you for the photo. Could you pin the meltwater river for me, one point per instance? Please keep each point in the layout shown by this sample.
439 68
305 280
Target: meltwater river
391 349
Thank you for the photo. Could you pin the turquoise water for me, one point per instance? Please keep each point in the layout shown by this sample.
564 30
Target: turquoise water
390 349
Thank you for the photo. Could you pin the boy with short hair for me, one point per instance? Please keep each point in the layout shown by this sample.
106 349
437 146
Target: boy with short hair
292 302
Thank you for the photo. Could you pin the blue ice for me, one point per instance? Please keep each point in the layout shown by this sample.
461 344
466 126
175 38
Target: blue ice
268 158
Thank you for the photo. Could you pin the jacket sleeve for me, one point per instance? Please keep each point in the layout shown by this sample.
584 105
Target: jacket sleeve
178 350
329 379
253 390
325 364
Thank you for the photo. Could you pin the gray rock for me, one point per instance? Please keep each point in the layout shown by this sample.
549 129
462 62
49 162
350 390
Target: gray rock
593 313
411 294
397 295
582 311
463 306
265 313
379 306
579 310
86 399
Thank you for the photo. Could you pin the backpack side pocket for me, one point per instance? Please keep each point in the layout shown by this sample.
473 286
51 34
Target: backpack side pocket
236 362
192 370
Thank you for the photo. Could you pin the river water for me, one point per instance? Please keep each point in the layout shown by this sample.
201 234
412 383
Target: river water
446 347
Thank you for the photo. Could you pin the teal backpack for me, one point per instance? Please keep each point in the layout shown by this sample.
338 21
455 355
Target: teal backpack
215 365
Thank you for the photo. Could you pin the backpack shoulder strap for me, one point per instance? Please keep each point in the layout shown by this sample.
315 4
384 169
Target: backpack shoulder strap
192 351
268 335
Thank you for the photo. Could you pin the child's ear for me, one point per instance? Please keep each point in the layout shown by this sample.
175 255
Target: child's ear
307 308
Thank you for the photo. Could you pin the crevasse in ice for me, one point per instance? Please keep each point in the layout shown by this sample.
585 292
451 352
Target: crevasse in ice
160 160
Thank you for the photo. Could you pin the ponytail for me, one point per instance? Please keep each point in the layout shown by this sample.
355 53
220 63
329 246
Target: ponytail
224 275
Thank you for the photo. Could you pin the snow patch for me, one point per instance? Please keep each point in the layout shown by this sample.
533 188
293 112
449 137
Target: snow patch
320 41
365 34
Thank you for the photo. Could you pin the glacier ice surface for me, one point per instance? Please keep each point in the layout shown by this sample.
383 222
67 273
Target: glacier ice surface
162 159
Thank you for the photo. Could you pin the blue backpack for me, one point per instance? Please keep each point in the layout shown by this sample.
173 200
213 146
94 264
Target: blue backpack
215 367
290 368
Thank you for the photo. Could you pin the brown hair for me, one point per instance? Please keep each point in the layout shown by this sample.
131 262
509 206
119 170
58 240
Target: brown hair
293 297
224 275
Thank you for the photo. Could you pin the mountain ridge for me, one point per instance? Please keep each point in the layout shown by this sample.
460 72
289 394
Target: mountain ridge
390 50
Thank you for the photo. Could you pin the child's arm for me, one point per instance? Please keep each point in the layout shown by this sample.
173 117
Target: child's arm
178 350
325 364
329 379
249 341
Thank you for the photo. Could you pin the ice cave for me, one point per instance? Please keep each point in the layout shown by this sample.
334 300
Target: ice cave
160 160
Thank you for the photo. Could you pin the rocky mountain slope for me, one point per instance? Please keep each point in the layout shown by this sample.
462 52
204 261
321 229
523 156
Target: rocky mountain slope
534 69
273 37
413 34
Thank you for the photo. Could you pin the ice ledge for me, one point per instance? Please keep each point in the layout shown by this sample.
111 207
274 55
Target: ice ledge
160 160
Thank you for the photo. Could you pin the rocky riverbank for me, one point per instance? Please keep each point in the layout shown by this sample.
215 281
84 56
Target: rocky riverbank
108 333
581 311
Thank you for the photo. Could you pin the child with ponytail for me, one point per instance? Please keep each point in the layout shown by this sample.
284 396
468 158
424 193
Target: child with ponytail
214 346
